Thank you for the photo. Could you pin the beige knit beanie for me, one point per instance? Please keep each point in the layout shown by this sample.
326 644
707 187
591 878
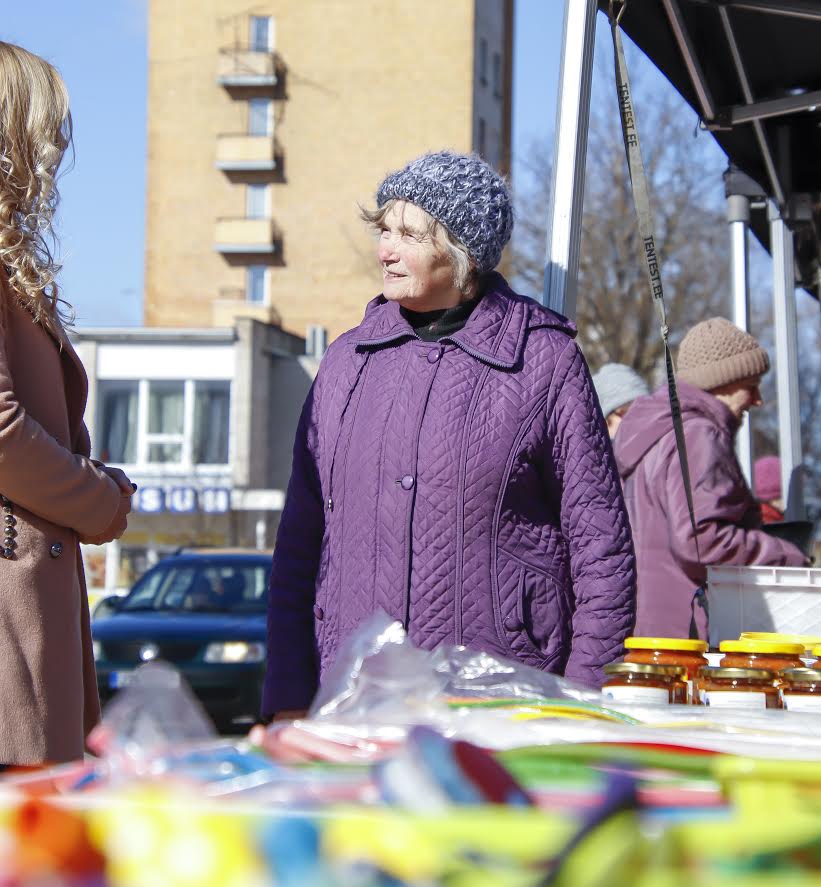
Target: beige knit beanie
716 352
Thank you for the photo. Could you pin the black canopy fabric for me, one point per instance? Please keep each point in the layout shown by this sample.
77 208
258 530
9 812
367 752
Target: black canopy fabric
699 46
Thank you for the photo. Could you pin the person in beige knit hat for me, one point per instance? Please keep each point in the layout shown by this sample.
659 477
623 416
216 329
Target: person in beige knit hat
719 374
718 357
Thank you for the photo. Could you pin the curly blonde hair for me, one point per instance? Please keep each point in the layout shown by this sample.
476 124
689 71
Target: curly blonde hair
35 130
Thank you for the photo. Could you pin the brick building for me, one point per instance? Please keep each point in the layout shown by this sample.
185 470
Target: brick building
268 122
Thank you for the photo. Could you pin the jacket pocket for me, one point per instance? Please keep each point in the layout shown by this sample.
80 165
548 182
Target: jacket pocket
536 626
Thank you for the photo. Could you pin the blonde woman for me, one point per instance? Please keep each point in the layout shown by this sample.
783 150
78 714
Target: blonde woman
52 496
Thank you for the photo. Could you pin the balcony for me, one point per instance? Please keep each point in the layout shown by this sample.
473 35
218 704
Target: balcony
246 236
242 67
245 153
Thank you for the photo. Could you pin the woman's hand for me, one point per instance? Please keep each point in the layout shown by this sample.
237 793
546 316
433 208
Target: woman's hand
120 520
119 477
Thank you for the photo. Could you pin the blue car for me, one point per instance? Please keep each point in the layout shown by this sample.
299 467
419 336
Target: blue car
202 611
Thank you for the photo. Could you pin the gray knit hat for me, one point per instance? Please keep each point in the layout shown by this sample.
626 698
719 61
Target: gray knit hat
462 192
716 352
617 384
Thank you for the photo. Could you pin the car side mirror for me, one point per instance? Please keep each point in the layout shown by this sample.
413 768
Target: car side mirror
108 606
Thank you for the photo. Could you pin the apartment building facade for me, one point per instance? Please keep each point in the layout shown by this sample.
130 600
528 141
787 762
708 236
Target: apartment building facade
269 122
194 417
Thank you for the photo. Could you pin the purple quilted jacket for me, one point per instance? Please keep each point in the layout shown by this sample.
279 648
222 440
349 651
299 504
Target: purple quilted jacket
466 487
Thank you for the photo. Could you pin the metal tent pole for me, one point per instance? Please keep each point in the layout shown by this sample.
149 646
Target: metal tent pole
738 217
564 226
786 365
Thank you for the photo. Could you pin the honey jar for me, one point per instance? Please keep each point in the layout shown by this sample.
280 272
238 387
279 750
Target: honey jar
639 683
747 653
808 641
801 689
684 652
751 688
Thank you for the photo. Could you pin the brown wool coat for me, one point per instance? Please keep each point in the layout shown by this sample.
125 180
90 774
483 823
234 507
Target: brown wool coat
48 688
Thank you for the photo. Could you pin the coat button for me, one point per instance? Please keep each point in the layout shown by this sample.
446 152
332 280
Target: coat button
434 355
407 482
319 612
513 623
56 549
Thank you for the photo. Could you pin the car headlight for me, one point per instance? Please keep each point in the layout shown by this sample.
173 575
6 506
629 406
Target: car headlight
234 651
97 648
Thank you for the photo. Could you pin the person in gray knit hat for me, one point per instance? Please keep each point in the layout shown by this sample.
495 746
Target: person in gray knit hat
617 386
719 373
451 466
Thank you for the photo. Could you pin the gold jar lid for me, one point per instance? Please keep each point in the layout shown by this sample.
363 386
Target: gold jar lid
740 674
667 671
802 675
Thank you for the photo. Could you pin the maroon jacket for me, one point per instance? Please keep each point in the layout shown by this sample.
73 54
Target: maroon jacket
727 516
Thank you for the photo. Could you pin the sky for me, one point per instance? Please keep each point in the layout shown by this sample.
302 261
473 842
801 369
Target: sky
99 47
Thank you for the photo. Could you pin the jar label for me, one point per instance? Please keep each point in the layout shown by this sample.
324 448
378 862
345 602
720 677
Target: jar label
801 702
651 695
734 699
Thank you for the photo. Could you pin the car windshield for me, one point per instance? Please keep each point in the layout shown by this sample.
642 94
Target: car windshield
207 587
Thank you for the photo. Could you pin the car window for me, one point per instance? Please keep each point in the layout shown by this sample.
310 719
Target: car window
234 586
163 587
212 586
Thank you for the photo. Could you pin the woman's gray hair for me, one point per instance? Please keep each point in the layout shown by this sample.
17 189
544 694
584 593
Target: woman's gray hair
465 275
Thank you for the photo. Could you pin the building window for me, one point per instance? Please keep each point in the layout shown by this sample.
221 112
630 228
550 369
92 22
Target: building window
481 137
118 422
166 422
261 31
497 75
260 119
180 423
255 284
256 201
212 401
483 61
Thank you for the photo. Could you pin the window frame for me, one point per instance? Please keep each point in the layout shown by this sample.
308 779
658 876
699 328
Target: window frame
145 439
252 44
259 188
256 102
265 281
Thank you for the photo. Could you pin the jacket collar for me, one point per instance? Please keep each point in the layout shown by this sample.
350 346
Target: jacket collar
494 333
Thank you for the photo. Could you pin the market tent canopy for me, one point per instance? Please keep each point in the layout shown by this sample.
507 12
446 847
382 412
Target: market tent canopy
751 69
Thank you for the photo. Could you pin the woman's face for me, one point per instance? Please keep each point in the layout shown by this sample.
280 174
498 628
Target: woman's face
416 270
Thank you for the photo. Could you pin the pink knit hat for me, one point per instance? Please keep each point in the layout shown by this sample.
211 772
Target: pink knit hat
716 352
767 478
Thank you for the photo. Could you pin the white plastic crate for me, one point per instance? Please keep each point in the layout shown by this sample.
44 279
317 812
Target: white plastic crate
781 599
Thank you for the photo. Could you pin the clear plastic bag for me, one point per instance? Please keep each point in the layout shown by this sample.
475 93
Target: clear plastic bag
154 714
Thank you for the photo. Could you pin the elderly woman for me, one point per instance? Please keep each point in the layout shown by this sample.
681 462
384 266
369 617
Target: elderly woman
451 465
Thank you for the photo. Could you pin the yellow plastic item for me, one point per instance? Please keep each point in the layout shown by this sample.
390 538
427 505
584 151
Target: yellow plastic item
808 641
683 644
750 645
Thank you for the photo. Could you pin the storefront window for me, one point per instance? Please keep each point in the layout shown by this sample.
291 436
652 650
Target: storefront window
117 428
211 423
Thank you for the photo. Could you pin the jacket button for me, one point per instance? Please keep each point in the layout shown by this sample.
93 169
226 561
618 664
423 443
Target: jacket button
56 549
319 612
434 355
513 623
407 482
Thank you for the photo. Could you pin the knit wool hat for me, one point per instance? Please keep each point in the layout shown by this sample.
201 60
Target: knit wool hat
617 384
462 192
716 352
767 478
